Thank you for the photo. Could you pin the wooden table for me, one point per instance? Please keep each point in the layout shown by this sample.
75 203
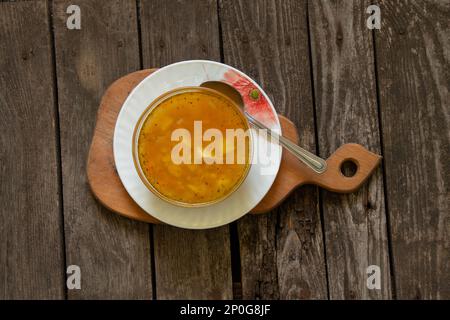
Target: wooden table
336 79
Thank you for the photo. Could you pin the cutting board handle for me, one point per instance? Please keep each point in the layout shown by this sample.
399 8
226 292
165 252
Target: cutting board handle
293 173
333 178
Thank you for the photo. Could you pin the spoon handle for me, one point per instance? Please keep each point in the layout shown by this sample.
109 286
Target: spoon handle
311 160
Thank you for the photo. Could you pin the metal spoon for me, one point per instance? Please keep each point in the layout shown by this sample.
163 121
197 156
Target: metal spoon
316 163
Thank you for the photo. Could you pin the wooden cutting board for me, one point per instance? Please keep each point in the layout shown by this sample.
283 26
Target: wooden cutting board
109 191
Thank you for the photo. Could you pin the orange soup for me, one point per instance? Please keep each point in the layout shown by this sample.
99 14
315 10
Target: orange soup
192 183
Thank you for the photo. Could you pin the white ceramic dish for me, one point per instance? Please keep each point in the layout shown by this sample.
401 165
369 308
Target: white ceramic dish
193 73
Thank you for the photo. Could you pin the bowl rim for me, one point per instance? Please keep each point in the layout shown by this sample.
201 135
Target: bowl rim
148 111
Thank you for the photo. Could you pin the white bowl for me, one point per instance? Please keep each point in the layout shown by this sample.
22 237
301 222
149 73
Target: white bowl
261 175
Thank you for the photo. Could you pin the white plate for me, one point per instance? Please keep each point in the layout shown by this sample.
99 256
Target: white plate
193 73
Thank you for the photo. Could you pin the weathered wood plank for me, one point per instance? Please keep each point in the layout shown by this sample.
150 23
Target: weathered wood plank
413 68
189 264
346 109
282 253
112 252
31 231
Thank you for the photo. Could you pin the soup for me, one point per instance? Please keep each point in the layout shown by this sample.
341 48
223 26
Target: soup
190 182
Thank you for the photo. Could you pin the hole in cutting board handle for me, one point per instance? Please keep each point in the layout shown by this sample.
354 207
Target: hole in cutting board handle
349 168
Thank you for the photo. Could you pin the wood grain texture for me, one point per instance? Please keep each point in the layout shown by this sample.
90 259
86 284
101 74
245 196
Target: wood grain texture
189 264
112 252
413 51
282 254
346 108
31 242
